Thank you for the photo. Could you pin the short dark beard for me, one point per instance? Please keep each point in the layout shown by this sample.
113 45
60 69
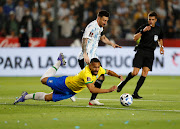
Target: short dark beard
92 73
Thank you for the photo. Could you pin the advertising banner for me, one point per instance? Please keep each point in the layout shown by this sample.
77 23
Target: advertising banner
35 61
14 42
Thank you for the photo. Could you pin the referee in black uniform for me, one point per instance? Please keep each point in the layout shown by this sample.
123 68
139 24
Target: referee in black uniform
150 35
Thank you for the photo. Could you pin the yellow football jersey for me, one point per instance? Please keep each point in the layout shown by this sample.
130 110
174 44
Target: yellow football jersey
78 82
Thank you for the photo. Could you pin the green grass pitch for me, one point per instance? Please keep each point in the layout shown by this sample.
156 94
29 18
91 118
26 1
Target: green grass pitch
159 109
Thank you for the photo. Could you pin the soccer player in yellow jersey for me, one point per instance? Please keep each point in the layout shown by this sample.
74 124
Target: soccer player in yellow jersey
67 86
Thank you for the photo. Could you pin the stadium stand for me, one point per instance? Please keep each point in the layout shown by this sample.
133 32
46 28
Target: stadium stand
65 19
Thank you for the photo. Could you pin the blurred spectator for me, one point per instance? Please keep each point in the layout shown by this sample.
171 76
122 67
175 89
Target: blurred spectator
161 12
93 5
130 35
43 4
131 3
86 9
74 4
50 37
126 24
131 13
146 10
122 9
49 19
72 15
67 27
44 30
170 9
20 10
169 30
105 5
139 12
116 30
11 24
91 17
2 18
63 10
34 3
176 8
50 9
35 14
23 38
27 23
43 15
139 17
8 7
99 6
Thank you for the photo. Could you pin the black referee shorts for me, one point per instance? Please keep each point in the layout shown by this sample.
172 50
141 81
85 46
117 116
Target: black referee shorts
143 58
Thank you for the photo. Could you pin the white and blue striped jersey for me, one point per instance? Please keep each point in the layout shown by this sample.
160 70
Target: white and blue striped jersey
93 33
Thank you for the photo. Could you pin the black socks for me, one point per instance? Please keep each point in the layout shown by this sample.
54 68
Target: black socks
129 77
139 84
97 84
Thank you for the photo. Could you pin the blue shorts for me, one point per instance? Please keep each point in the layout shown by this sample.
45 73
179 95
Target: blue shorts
60 90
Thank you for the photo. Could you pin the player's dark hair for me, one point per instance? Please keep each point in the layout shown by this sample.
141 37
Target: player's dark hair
94 60
153 14
103 13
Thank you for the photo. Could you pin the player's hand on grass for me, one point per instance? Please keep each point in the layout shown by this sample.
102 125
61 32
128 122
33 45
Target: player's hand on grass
113 88
86 58
116 45
121 77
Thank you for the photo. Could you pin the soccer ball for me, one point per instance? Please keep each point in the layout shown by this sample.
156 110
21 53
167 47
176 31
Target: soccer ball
126 99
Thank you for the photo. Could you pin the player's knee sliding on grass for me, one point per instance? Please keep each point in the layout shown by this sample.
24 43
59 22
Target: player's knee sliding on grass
67 86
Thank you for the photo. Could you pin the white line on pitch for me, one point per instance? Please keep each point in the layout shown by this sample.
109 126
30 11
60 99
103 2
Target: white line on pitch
133 100
109 99
100 107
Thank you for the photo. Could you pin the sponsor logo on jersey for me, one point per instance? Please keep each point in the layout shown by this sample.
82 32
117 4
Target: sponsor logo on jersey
90 34
88 79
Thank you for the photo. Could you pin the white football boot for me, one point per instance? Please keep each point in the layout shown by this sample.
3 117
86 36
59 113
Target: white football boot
95 102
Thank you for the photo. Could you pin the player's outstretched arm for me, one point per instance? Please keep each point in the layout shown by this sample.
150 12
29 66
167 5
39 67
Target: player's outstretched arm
93 89
112 73
105 40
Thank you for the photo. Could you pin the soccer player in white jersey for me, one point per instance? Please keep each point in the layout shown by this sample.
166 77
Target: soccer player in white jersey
90 41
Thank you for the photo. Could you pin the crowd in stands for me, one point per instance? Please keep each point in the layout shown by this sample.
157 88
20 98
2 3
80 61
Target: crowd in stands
39 17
